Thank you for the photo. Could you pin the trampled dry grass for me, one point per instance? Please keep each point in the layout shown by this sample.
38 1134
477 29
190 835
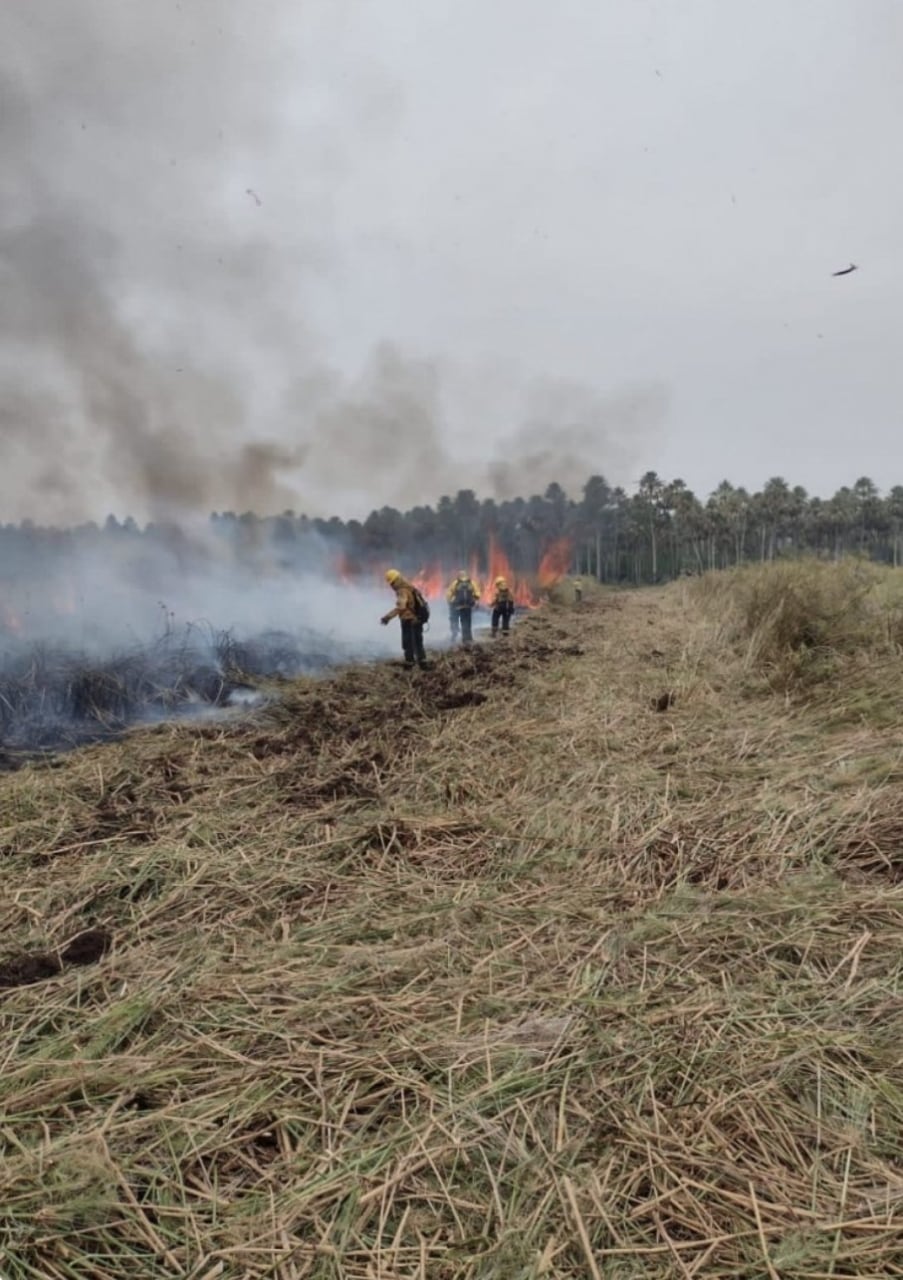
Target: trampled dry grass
494 971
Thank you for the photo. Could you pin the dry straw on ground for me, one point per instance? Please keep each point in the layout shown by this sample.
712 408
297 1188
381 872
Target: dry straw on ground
490 971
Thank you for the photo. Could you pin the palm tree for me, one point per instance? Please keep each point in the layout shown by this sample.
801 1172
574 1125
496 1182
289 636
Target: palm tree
649 500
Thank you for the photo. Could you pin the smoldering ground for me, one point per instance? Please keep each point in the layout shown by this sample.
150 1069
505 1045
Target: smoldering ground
148 627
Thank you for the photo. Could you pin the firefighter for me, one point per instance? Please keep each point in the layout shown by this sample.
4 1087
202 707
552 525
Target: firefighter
502 607
578 590
462 595
409 609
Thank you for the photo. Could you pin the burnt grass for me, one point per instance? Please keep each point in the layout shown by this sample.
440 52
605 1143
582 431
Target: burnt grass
348 708
326 739
53 699
323 739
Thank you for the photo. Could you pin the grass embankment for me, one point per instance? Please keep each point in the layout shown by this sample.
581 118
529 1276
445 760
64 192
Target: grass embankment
493 971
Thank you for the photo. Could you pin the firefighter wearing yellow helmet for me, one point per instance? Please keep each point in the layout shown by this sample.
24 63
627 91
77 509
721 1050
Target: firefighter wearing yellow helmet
502 607
412 612
463 595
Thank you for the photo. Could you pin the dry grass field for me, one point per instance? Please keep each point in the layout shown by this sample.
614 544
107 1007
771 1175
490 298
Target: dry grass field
577 956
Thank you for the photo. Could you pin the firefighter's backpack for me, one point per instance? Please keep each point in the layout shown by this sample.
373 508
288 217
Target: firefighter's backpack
421 608
465 596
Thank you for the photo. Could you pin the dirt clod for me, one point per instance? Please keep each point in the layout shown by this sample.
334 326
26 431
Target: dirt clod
37 966
454 699
22 971
87 947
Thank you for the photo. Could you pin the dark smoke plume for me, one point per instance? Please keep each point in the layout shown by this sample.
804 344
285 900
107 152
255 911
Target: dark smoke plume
147 307
156 352
571 432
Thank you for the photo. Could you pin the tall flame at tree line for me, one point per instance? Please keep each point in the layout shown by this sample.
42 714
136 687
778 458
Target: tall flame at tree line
434 579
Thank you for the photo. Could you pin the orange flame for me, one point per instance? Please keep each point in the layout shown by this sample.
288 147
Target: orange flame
431 582
11 621
500 567
555 563
434 579
344 569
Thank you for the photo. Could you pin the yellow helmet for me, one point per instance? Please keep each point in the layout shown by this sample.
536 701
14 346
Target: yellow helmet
500 582
392 576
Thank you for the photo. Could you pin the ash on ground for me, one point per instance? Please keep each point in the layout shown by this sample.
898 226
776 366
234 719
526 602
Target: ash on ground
53 699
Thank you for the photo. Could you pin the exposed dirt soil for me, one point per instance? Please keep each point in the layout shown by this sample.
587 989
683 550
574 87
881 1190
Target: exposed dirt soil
86 948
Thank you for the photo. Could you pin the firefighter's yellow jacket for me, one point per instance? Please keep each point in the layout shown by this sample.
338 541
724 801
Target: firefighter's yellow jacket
404 602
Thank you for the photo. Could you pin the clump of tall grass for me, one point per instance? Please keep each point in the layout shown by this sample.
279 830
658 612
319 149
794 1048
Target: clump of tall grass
796 619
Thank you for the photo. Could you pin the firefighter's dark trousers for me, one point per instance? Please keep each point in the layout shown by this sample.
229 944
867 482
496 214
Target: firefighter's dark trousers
412 642
462 619
501 614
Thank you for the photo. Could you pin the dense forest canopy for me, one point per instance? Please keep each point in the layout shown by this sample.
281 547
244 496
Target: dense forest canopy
657 532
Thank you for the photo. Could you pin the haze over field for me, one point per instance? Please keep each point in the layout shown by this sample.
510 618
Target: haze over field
338 255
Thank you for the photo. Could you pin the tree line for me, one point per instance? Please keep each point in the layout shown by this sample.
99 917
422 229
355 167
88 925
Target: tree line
660 531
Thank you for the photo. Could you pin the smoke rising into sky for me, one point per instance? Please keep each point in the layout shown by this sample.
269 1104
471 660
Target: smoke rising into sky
330 256
169 217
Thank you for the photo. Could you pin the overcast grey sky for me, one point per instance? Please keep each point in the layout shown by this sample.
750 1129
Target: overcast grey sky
606 225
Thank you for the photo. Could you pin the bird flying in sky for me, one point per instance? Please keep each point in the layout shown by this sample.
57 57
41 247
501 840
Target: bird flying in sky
846 271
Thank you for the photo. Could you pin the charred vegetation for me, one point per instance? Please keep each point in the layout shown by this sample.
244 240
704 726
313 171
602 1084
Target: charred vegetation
52 699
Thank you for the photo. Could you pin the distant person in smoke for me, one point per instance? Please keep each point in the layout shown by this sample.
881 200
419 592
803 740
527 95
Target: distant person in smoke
412 611
502 607
462 596
578 590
